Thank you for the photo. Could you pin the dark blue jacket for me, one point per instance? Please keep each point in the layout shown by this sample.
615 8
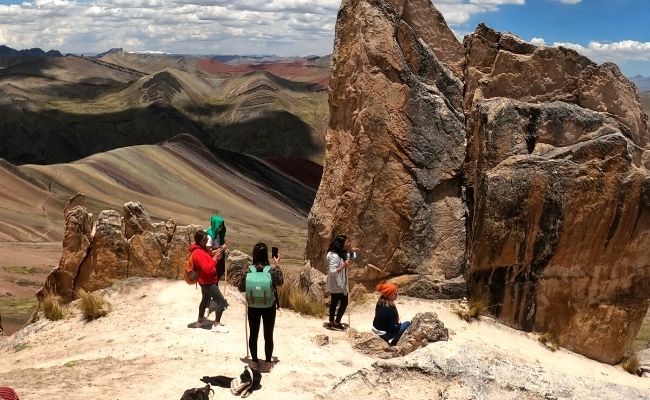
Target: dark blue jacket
386 319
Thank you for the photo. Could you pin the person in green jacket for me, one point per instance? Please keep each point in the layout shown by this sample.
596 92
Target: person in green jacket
217 239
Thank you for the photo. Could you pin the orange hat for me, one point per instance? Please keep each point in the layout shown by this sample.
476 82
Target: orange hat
387 289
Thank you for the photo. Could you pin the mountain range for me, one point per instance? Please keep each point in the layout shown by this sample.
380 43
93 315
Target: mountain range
60 109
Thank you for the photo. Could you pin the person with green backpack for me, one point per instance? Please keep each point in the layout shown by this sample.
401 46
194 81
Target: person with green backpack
259 283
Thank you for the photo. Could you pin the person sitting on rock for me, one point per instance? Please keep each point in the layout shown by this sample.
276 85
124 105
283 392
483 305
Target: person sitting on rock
386 315
206 262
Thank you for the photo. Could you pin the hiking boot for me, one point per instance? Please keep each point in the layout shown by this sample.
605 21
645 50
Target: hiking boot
221 328
338 325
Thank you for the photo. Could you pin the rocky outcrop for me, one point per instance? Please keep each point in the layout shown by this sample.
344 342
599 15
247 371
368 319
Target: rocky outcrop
522 169
395 144
564 181
96 253
560 219
425 328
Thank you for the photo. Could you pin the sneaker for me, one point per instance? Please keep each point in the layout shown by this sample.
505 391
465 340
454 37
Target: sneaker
221 328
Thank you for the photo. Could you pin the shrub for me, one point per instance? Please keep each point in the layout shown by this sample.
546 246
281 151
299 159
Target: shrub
291 296
631 363
92 305
52 308
473 308
549 341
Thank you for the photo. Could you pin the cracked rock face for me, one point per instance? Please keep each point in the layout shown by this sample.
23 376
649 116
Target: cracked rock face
522 169
96 253
395 144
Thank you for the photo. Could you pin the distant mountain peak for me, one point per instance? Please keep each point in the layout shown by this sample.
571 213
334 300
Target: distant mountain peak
33 52
109 52
641 82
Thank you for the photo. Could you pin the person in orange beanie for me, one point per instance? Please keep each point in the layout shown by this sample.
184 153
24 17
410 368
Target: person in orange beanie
386 315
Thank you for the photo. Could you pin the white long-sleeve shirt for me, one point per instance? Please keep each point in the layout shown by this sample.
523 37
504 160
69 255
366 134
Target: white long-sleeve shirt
337 280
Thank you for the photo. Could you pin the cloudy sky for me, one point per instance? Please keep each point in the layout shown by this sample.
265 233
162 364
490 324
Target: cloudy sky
604 30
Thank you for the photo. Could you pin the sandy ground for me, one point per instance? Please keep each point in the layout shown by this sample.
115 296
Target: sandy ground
143 349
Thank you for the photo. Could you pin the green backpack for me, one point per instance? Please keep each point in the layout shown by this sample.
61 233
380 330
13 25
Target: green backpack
259 287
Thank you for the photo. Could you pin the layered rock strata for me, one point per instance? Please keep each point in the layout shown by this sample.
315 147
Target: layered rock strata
522 169
98 252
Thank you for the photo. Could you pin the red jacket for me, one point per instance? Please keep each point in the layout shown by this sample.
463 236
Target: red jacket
205 264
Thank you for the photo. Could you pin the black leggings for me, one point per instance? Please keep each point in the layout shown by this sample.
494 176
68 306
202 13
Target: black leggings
267 315
334 300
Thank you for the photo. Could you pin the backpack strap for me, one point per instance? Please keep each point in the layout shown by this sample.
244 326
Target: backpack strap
267 269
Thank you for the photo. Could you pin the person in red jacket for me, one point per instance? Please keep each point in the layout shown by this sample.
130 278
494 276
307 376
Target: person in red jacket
205 262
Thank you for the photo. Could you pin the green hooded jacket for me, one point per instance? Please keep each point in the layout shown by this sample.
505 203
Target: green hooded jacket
216 223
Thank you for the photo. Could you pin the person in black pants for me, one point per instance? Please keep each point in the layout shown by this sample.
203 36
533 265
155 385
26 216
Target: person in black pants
266 315
339 256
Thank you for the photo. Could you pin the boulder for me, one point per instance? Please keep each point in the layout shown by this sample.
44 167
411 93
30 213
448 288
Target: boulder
236 263
395 142
313 282
425 328
566 182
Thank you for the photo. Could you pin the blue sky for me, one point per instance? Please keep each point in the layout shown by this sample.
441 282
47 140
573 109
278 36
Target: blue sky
603 30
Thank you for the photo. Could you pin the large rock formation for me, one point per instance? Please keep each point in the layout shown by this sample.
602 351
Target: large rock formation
523 169
96 253
560 222
395 144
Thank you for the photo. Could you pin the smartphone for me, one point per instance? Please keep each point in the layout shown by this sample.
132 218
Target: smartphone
274 252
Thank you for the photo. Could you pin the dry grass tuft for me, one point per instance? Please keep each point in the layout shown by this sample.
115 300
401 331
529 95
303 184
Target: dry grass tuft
631 363
472 308
92 305
294 298
53 309
549 341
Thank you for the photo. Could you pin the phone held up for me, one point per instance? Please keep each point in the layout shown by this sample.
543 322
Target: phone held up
274 252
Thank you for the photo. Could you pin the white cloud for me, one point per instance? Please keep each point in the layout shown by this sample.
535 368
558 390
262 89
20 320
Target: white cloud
617 52
283 27
569 1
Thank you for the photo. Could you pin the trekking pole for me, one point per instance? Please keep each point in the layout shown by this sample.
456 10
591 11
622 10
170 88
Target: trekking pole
246 327
225 285
347 287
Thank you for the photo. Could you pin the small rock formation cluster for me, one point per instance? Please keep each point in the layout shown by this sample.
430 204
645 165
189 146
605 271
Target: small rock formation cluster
425 328
98 252
522 171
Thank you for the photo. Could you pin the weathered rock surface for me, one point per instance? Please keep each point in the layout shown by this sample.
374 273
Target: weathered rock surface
314 282
98 253
77 238
236 264
566 183
395 143
449 370
539 152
